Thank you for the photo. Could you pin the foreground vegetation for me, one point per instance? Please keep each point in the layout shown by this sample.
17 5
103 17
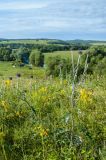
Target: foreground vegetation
54 107
39 121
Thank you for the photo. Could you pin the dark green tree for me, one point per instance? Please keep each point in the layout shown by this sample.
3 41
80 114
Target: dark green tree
22 55
5 53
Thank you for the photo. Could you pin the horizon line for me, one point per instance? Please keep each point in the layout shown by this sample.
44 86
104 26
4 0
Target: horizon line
51 39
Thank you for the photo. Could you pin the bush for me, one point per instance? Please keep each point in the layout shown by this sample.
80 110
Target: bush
5 53
96 59
22 54
57 65
101 67
36 58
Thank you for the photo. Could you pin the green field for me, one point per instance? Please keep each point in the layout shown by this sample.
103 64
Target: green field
99 44
7 70
62 54
24 41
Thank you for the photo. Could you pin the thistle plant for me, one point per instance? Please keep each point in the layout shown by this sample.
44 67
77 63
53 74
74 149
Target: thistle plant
74 86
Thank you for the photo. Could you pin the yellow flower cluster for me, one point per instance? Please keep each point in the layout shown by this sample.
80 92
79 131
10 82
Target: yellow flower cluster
4 105
42 90
62 92
18 114
65 82
42 132
47 95
7 83
86 95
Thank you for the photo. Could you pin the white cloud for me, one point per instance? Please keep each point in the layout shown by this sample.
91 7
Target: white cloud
22 5
56 24
55 17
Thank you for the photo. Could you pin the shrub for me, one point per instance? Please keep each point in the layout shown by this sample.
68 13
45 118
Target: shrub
58 66
96 59
36 58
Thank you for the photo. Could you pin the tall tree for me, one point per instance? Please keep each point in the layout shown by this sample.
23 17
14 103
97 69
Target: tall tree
36 58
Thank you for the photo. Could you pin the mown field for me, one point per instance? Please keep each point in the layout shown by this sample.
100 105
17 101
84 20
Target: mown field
99 43
46 118
62 54
24 41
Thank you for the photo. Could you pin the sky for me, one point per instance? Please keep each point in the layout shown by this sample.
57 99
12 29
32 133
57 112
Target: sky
54 19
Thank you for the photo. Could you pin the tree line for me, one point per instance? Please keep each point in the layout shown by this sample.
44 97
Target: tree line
12 51
35 56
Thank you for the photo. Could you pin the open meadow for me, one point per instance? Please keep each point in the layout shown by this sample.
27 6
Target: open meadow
48 117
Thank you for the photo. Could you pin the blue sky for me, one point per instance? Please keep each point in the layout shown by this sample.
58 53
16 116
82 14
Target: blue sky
57 19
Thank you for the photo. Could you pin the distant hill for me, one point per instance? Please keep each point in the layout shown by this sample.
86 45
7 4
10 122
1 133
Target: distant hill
1 39
52 41
85 41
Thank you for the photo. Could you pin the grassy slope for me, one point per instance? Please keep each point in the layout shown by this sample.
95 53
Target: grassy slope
62 54
7 70
100 44
24 41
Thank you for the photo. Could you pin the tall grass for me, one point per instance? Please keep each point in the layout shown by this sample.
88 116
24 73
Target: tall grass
53 119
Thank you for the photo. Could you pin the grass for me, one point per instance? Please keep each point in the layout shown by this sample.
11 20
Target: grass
24 42
99 43
38 120
62 54
7 69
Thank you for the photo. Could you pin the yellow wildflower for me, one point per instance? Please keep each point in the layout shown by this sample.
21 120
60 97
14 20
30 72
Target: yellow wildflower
34 95
65 82
43 90
18 114
4 105
85 95
43 133
62 92
7 83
